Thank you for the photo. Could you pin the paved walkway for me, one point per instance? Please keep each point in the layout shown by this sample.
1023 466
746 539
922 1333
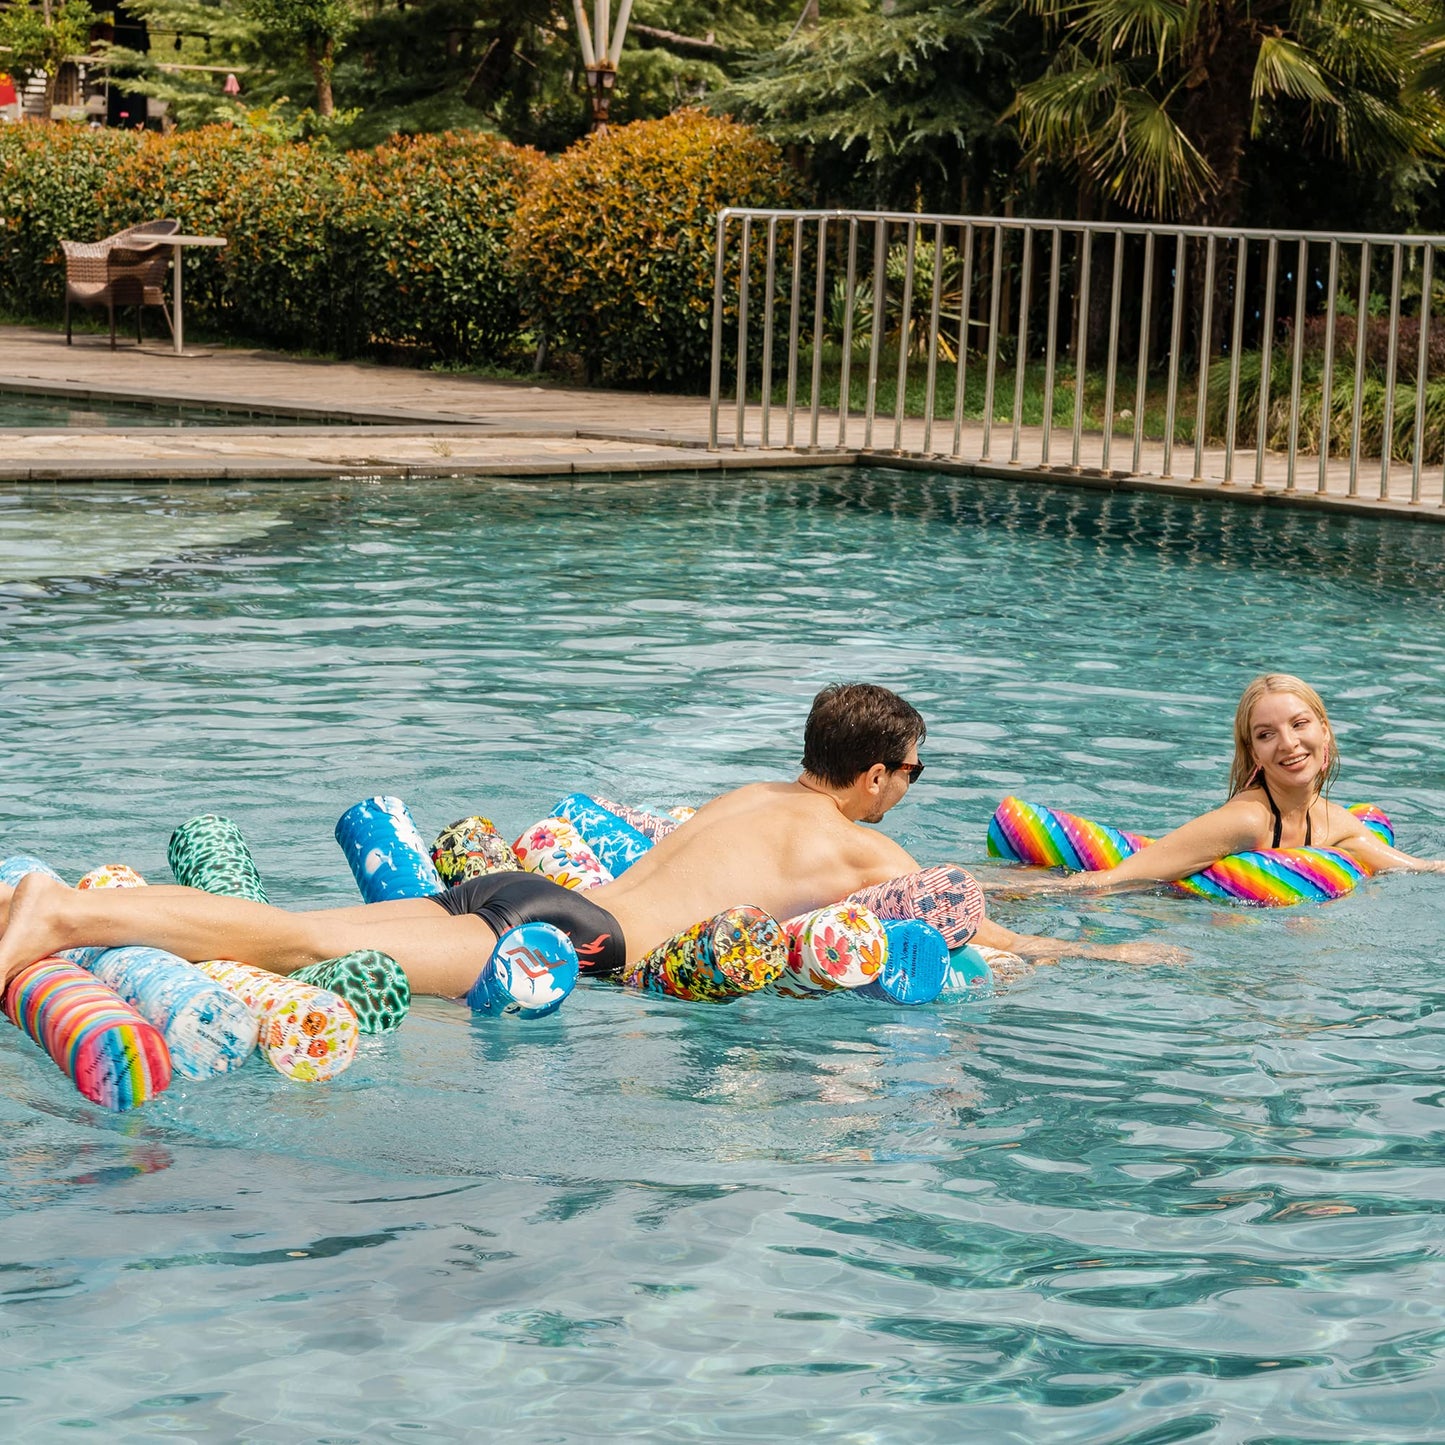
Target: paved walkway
378 420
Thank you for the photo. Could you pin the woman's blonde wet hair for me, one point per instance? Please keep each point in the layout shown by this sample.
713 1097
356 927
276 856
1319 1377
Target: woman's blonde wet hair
1243 769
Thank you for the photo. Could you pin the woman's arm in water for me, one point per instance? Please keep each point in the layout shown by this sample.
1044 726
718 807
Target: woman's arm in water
1371 850
1234 828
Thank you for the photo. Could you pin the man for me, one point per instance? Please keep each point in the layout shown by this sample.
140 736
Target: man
786 848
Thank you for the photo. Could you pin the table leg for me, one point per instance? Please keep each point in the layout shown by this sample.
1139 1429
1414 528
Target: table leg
177 325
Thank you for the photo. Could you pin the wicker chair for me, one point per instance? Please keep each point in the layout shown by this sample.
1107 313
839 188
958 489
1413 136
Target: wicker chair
121 270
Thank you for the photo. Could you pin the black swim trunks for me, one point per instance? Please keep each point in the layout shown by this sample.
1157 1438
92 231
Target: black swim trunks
507 900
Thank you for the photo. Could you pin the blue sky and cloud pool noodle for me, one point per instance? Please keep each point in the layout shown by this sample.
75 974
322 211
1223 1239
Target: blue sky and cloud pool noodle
915 967
387 855
14 868
207 1028
617 844
531 971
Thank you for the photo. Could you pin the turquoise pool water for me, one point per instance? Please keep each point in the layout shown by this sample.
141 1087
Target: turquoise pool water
25 410
1107 1205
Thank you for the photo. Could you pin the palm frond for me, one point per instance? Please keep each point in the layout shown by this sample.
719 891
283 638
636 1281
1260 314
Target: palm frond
1137 27
1285 67
1058 112
1146 161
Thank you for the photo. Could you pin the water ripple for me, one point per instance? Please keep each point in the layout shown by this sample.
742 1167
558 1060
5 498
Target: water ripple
1104 1205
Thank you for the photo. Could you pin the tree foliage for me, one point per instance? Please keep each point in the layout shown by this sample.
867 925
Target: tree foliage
908 101
1154 103
317 27
41 36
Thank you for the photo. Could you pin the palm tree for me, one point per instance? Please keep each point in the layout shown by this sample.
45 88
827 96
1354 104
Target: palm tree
1152 103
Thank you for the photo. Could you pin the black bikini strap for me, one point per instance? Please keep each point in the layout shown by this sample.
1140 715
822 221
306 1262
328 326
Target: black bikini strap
1279 822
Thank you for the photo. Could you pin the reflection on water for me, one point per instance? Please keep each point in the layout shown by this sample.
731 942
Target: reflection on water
1109 1204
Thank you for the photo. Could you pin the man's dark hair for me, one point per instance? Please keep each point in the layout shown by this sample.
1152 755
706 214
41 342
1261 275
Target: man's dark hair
853 725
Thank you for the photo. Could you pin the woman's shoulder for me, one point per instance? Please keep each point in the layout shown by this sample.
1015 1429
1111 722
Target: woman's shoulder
1247 803
1247 815
1342 824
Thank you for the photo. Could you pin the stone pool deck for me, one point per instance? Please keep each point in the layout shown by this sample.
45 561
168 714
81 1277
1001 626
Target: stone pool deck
361 419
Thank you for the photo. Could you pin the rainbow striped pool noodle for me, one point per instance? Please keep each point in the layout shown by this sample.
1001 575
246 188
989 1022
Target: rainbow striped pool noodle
112 1055
1031 834
1277 877
1375 820
1268 878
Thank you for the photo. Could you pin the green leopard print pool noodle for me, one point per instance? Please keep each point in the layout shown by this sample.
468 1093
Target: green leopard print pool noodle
208 852
371 982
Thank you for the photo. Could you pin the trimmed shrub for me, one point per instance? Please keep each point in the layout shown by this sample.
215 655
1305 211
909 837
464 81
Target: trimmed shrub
50 177
422 234
614 245
270 198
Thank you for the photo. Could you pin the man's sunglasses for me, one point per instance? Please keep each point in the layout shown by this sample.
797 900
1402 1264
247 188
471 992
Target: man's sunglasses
914 770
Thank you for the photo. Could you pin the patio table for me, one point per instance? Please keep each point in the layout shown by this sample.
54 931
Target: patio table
178 241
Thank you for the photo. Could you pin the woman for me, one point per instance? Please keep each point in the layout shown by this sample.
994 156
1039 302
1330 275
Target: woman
1284 761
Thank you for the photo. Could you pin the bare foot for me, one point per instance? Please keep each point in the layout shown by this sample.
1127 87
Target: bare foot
32 927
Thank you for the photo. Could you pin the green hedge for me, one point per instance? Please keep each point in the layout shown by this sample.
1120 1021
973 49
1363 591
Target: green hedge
458 246
50 183
614 246
271 199
423 232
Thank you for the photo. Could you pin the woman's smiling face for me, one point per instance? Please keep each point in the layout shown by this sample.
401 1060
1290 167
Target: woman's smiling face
1288 739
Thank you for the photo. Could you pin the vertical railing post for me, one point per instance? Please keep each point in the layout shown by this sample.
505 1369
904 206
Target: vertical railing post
845 369
1362 317
1236 342
744 266
960 378
1141 385
769 302
1422 370
820 301
904 328
1113 352
1022 357
1081 342
934 308
1206 328
1297 361
715 391
1051 342
875 340
794 314
1387 438
991 364
1266 361
1327 381
1176 342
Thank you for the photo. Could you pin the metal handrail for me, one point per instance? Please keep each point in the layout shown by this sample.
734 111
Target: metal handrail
1152 302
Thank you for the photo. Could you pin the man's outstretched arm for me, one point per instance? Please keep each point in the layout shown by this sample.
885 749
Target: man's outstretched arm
1048 950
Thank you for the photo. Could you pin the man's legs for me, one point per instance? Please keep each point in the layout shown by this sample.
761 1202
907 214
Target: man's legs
440 953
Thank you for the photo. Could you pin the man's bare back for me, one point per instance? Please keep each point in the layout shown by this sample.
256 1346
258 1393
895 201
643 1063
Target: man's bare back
783 847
